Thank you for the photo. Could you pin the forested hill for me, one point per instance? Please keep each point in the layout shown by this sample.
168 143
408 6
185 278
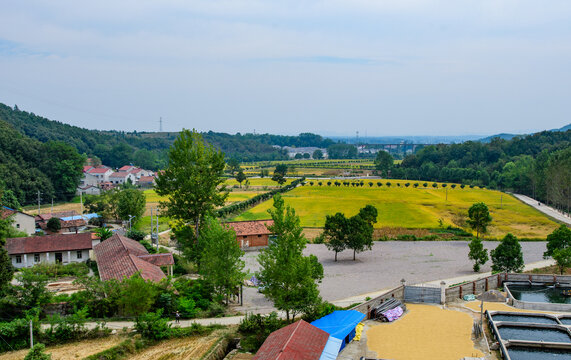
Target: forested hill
28 166
538 165
148 150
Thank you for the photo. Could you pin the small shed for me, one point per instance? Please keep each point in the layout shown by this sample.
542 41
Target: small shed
340 324
299 341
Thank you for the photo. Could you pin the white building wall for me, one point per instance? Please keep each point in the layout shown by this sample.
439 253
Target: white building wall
29 260
24 223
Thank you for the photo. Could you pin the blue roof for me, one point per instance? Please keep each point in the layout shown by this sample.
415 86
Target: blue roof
339 323
77 217
331 349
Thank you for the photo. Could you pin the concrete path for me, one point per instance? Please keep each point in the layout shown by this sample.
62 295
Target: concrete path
546 209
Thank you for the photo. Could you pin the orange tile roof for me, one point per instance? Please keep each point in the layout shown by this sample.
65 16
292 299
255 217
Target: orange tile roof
256 227
118 257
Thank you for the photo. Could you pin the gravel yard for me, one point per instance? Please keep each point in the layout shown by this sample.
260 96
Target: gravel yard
387 264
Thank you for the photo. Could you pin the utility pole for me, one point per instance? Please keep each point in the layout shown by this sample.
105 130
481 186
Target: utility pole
31 335
52 211
161 124
39 199
157 212
151 225
81 201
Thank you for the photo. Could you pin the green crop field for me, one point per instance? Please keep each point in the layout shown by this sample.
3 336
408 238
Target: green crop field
411 208
256 182
234 196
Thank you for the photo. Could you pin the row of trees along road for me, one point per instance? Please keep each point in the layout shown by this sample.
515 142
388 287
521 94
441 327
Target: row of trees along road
193 186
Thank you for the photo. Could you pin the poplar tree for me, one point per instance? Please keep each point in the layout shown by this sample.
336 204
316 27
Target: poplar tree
287 277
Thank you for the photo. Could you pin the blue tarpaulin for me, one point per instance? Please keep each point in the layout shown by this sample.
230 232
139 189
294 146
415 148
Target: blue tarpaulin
340 324
77 217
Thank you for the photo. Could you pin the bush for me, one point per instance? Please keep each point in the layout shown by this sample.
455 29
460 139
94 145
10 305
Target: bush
59 270
37 353
153 326
187 307
406 237
256 328
150 248
16 334
215 310
135 234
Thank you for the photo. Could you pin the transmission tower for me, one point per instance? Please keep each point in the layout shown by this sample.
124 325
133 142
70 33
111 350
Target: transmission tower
161 124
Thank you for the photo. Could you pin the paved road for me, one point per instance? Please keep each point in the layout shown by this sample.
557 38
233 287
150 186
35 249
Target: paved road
548 210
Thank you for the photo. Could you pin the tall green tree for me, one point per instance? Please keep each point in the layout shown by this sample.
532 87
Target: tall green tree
384 162
240 177
288 278
6 269
479 218
221 263
64 166
233 165
559 239
192 182
507 256
280 173
130 202
360 236
335 232
317 154
477 253
137 295
562 258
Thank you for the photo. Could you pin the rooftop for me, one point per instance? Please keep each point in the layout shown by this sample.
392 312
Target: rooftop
255 227
48 243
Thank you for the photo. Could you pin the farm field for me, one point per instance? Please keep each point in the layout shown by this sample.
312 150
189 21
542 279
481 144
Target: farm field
267 181
184 348
411 208
71 351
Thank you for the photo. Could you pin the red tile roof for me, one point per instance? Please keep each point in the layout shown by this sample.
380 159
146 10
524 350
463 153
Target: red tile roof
158 259
87 168
126 168
146 179
119 174
61 214
297 341
98 170
41 244
6 212
258 227
118 257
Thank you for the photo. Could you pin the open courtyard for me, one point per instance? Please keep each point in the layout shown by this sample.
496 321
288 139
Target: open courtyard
384 266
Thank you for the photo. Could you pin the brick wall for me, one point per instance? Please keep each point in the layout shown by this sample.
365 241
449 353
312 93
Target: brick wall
252 240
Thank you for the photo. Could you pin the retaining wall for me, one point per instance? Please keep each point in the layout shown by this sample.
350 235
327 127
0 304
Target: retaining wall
397 293
495 281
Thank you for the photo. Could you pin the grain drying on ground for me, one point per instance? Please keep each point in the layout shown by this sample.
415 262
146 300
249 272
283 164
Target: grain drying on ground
188 348
497 306
71 351
427 332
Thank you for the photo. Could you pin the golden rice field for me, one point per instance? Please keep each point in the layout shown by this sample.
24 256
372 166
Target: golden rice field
411 208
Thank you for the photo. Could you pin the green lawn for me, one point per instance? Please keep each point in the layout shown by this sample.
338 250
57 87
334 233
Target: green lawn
410 207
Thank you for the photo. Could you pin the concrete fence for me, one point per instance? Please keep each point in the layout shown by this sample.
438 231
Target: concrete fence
396 293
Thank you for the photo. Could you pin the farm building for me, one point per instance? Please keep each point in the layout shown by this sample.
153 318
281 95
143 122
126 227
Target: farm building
252 234
65 249
300 341
20 221
119 257
340 324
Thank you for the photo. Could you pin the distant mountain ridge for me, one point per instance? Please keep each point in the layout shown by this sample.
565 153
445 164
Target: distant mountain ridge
506 136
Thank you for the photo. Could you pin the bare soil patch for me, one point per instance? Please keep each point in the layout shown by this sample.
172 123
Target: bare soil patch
181 349
71 351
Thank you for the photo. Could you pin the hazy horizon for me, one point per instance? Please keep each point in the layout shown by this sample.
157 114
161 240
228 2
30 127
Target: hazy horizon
392 68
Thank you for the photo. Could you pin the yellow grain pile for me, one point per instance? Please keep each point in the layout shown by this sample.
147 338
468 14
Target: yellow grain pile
425 332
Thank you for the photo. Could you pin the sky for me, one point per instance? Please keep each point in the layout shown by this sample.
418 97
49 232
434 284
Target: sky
403 67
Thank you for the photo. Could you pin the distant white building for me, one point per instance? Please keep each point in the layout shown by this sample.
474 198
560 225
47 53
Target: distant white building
88 190
101 173
121 177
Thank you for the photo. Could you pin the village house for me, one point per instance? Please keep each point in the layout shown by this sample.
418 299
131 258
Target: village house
50 249
42 219
146 181
120 257
20 221
88 180
252 234
122 177
88 190
102 173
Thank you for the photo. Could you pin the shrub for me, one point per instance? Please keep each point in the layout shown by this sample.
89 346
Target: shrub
135 234
406 237
256 328
54 224
58 270
37 353
150 248
187 307
153 326
64 329
425 185
215 310
15 334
